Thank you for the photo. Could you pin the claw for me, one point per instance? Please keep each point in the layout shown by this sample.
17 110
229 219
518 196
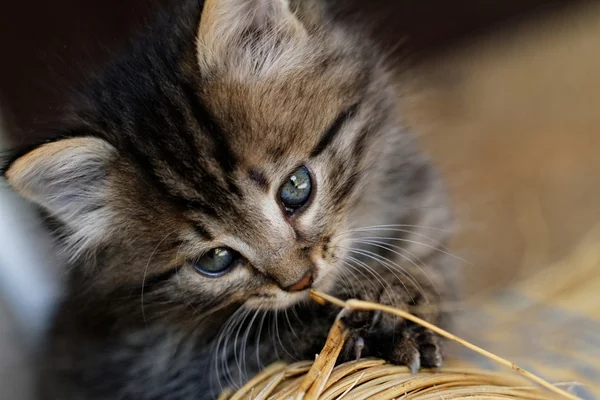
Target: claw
359 345
375 320
344 312
415 364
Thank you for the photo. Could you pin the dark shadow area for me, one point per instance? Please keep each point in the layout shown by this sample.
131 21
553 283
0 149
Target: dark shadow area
48 47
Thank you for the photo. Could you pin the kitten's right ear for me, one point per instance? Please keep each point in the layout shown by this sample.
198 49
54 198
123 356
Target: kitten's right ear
234 29
68 178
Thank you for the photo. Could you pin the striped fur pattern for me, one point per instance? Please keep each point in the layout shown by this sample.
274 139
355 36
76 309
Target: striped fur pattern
181 146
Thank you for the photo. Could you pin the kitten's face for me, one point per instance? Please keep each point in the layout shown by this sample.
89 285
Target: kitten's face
291 134
232 177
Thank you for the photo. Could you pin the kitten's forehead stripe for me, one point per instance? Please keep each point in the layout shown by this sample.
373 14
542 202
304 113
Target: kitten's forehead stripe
333 130
201 231
152 176
276 152
178 154
259 178
222 150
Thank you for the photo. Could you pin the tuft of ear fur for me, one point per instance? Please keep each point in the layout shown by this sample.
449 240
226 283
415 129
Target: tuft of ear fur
223 21
68 179
310 12
253 33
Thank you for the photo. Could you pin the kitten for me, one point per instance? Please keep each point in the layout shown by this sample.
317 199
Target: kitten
243 152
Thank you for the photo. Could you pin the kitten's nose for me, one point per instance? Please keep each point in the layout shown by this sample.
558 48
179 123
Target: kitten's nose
302 284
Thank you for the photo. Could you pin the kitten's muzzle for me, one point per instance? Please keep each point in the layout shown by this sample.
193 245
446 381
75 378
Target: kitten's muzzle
304 283
291 268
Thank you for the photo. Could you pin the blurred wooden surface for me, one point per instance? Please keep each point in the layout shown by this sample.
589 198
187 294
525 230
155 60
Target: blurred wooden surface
514 122
48 46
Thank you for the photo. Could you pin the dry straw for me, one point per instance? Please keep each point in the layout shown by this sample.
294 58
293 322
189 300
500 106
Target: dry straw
375 379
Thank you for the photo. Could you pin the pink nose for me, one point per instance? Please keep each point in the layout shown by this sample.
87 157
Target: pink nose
302 284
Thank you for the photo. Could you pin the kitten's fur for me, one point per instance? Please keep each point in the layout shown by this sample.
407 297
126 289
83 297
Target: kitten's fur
182 146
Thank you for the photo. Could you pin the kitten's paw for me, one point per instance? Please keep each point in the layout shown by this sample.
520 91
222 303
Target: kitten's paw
354 347
404 351
376 334
416 348
430 349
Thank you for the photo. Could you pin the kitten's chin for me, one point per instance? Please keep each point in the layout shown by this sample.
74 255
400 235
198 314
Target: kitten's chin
277 299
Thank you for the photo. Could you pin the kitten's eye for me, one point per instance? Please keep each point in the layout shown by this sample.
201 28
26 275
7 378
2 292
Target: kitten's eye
296 191
216 262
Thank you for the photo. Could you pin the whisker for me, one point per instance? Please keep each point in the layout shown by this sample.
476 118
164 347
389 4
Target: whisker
384 227
218 356
431 241
260 328
287 317
146 271
244 344
236 342
369 269
219 365
279 336
272 316
420 268
353 268
297 316
348 278
386 286
415 242
392 266
225 359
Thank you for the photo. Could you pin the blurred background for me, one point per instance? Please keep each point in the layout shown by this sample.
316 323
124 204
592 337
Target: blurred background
504 95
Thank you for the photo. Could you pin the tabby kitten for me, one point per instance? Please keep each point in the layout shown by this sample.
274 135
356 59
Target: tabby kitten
243 152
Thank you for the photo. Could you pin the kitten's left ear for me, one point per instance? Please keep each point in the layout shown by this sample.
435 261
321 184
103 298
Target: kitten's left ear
59 174
68 178
226 25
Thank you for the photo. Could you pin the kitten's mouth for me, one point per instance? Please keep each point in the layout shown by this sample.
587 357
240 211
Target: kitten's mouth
275 298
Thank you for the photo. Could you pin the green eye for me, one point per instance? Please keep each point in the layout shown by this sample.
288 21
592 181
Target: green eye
295 192
216 261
